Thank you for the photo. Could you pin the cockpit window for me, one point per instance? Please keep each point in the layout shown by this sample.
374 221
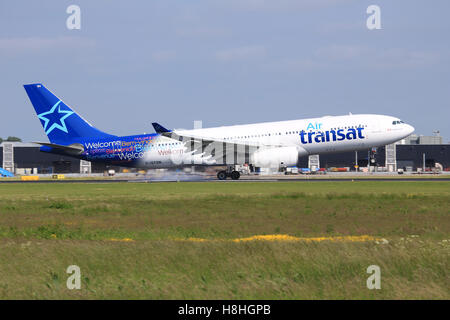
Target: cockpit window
397 122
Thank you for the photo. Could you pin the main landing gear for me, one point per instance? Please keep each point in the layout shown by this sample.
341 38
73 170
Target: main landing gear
230 172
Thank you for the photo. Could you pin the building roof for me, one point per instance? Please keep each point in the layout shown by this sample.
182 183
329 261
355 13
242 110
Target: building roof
21 144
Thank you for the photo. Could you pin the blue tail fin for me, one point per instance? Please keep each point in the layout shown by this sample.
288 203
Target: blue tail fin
61 124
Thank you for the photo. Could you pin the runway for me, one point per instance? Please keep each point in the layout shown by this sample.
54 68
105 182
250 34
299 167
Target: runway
213 179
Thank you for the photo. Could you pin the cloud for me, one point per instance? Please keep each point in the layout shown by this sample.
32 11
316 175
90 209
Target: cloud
202 32
164 55
334 56
355 57
293 65
342 52
374 57
399 57
241 53
12 46
340 27
279 5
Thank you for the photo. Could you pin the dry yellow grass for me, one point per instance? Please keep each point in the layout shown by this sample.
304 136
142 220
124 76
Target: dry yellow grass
286 237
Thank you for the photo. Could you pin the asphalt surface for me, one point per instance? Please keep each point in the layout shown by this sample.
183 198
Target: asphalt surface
209 179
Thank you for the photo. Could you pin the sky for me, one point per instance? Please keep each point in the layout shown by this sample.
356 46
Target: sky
225 62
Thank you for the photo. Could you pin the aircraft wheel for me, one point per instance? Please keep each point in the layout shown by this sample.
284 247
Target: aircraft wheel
235 175
222 175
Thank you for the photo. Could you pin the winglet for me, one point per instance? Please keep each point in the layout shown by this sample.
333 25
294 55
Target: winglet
159 128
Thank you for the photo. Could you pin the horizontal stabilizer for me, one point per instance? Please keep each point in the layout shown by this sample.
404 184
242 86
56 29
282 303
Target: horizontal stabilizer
73 148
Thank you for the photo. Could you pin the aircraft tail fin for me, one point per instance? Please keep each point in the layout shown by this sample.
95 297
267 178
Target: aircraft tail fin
61 124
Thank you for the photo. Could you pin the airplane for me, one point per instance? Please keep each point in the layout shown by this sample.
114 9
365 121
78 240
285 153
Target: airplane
270 144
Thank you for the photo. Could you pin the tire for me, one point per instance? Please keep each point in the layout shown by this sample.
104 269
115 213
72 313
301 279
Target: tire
222 175
235 175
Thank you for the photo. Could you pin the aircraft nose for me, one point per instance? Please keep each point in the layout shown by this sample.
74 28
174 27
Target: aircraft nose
409 129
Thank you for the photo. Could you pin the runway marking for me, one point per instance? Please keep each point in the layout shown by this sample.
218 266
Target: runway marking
288 238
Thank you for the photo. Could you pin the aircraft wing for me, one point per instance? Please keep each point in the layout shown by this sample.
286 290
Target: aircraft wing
208 140
180 136
212 150
159 128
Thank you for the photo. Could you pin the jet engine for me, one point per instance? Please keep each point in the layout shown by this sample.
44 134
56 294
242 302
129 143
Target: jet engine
277 157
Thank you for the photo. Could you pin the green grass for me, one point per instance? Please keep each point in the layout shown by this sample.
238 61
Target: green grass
44 228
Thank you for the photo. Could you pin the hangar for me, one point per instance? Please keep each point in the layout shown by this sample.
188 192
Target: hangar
26 158
408 157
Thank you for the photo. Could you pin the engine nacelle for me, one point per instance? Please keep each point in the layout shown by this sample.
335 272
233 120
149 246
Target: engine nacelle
277 157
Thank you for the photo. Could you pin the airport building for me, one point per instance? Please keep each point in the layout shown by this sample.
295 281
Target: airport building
414 152
406 157
410 154
26 158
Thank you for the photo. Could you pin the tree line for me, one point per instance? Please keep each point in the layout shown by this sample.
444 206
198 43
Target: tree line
11 139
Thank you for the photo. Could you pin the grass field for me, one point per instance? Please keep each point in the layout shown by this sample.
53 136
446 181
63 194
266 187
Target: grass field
248 240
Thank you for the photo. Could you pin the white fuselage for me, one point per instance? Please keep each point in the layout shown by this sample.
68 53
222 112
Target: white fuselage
328 134
377 130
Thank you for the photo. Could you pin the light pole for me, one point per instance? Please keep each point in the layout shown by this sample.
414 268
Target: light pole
423 164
